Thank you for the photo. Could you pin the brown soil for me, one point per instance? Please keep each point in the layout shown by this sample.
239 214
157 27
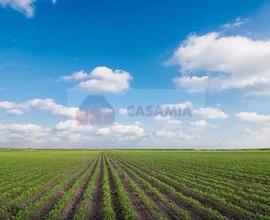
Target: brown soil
94 210
157 202
115 198
69 210
208 203
193 213
140 210
41 212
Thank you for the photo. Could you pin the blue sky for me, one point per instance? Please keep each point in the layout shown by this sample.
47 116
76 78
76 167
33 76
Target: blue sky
211 56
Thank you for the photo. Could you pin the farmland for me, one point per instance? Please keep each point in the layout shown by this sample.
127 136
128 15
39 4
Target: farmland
117 184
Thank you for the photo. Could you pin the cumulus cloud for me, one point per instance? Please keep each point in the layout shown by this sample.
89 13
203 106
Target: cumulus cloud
165 134
51 106
13 108
193 83
120 132
168 121
29 128
24 6
73 131
69 133
102 79
108 134
173 135
224 62
209 112
42 104
253 117
77 76
199 123
186 108
22 133
64 134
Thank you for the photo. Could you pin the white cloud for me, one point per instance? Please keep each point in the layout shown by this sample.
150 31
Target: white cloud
21 127
186 108
199 123
24 6
42 104
226 61
13 108
236 23
165 134
72 125
209 112
193 83
120 132
253 117
67 125
167 121
77 76
102 79
63 134
173 135
123 111
22 134
70 134
51 106
256 137
74 132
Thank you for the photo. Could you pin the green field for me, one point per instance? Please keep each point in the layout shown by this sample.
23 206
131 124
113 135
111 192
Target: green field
134 184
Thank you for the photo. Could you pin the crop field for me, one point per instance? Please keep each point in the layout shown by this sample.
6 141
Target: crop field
134 184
